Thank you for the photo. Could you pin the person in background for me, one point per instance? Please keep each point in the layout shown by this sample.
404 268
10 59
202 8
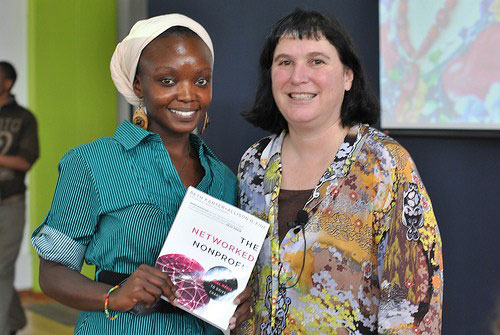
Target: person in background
353 247
18 153
116 198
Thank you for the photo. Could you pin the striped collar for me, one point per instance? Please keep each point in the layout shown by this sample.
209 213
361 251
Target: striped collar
129 136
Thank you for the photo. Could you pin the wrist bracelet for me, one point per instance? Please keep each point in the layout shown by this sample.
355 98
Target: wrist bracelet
106 302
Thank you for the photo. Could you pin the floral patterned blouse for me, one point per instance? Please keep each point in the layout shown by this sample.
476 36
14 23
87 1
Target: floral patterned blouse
373 261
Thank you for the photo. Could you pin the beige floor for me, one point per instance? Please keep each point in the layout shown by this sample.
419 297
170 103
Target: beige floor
38 324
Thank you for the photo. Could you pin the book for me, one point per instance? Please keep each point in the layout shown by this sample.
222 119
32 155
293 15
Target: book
209 254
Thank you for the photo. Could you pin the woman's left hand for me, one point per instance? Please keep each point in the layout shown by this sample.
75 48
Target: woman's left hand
244 310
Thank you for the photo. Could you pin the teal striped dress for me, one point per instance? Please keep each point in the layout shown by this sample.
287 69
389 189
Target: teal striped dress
113 206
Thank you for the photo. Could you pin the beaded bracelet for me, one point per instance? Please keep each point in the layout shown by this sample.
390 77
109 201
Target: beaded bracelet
106 302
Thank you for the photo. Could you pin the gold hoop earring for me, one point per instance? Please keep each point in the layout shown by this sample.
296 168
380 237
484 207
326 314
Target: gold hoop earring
140 117
206 122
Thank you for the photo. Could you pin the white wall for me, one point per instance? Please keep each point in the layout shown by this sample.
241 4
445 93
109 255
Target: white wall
13 48
13 43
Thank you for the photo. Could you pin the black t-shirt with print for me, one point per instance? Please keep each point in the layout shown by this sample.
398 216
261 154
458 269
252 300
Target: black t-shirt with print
18 137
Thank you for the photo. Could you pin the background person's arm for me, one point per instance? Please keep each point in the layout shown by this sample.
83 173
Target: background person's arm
15 163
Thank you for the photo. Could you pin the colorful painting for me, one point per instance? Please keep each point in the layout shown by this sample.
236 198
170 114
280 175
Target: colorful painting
440 64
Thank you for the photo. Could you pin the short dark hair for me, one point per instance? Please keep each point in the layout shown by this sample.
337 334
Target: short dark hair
359 104
9 71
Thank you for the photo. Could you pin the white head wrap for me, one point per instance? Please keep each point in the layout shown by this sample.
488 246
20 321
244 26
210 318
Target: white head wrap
127 53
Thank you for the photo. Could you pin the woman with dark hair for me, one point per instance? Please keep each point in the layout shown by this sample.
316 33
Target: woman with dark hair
353 246
116 198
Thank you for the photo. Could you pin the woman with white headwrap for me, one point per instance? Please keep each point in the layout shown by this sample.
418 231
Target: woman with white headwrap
116 198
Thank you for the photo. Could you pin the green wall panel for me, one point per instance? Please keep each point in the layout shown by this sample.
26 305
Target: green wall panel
70 43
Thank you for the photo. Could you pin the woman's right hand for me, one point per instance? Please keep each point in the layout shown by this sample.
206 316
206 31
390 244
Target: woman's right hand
145 285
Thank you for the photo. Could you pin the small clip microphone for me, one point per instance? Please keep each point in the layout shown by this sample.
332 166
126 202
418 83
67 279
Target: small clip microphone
302 218
299 222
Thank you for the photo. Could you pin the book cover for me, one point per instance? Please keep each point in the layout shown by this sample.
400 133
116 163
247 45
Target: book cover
209 255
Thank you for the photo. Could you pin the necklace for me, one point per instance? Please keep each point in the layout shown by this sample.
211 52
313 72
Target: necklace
185 161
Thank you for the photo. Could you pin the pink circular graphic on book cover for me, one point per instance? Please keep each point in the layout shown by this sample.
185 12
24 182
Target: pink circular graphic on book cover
187 276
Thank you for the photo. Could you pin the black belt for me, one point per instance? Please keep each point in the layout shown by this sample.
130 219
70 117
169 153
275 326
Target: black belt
115 278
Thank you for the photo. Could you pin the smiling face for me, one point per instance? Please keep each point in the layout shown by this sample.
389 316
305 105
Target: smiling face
308 82
174 79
